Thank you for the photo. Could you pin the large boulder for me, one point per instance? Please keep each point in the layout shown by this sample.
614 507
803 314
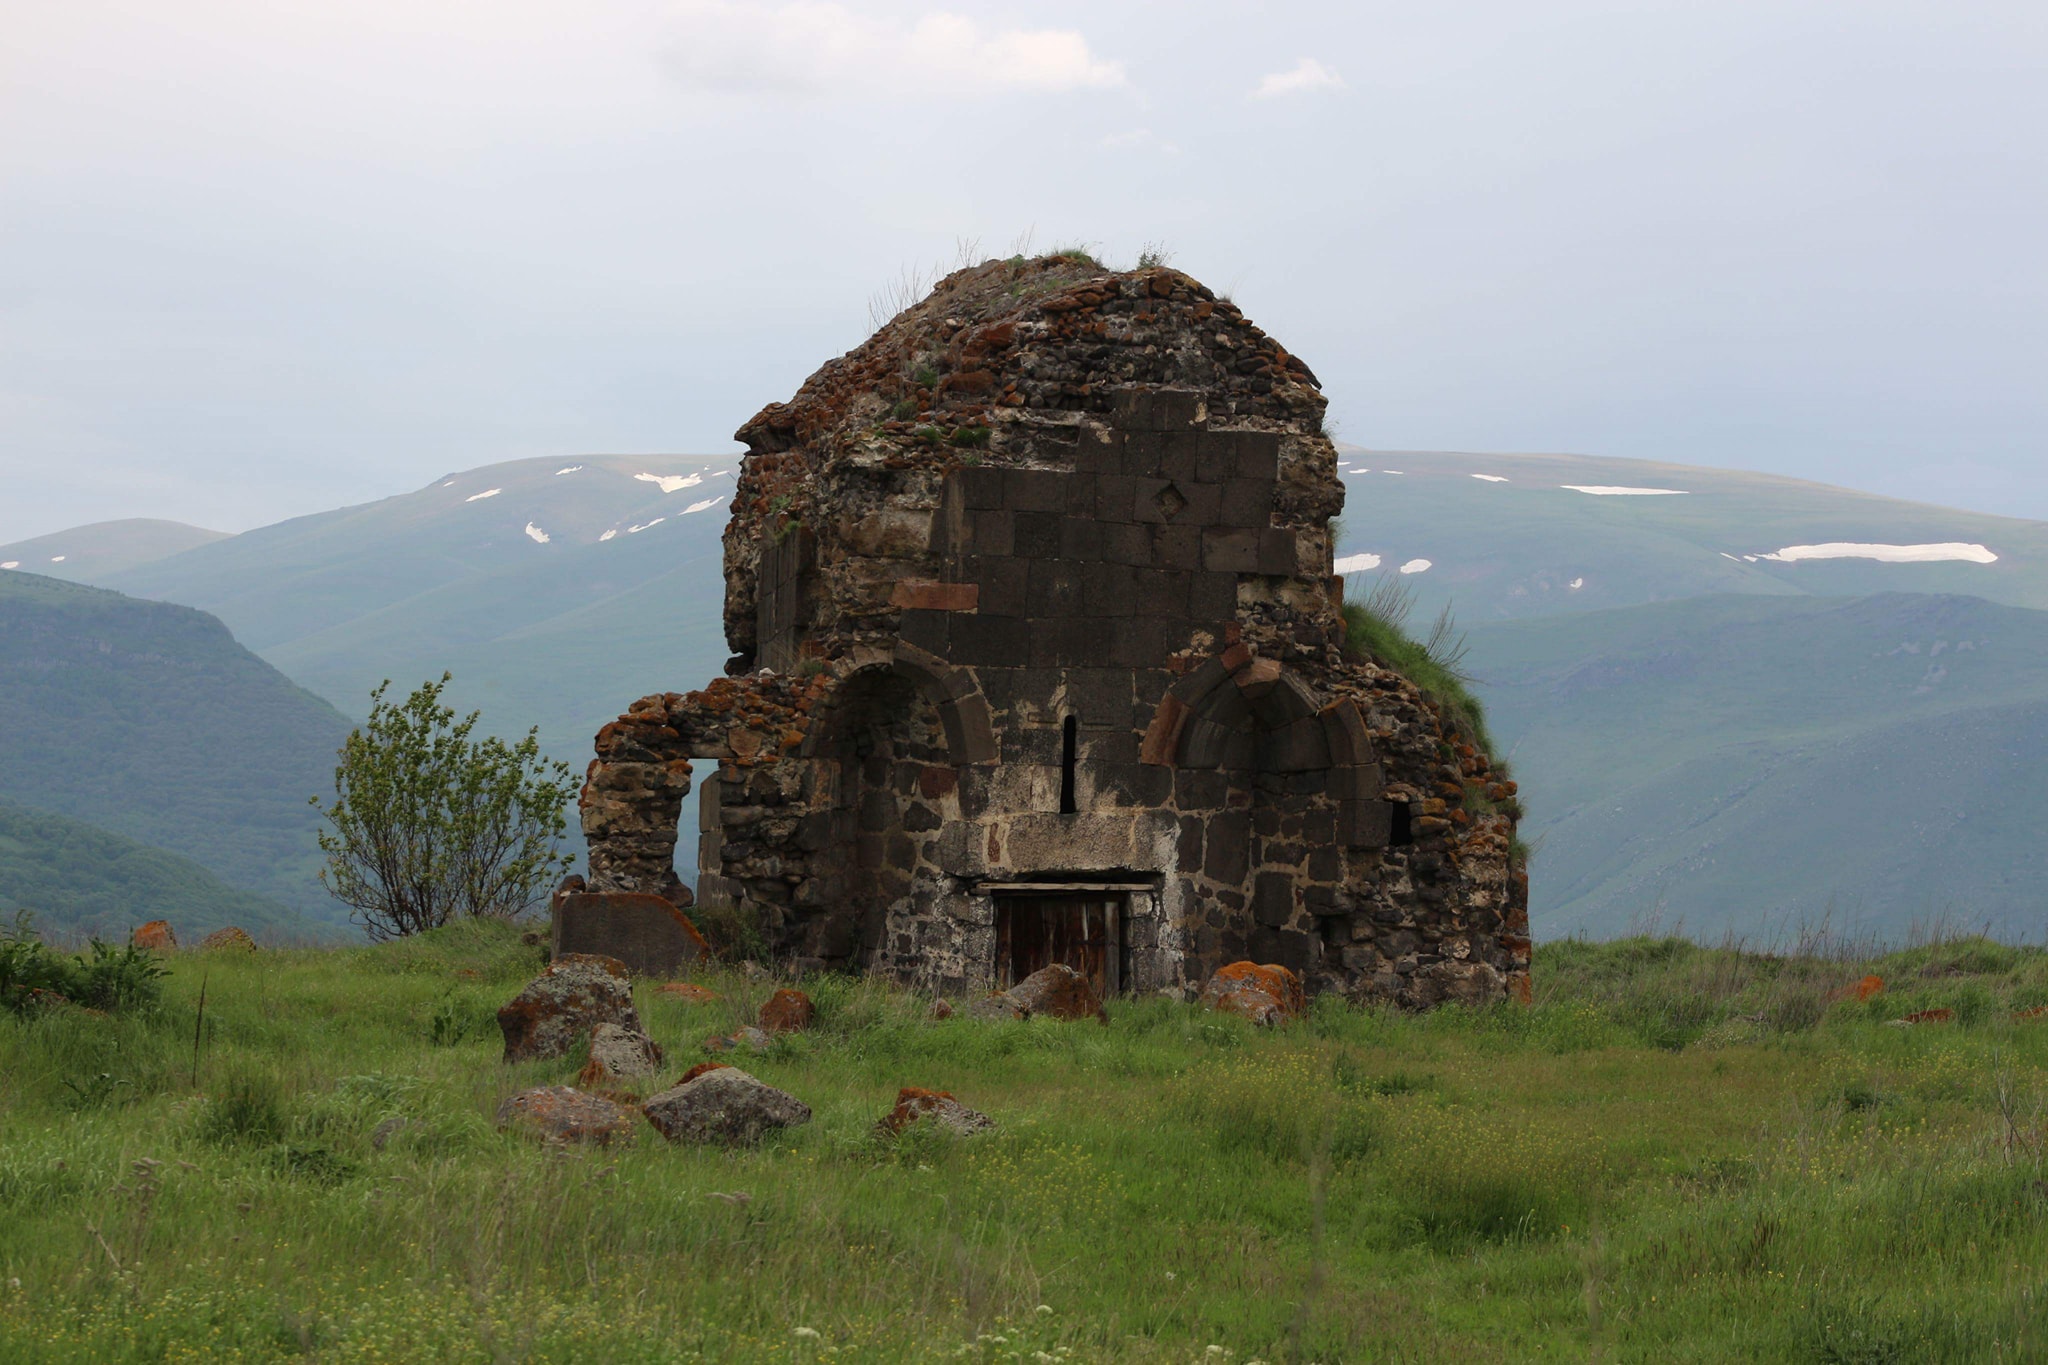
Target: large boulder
564 1004
1266 994
558 1113
788 1011
724 1105
617 1055
939 1106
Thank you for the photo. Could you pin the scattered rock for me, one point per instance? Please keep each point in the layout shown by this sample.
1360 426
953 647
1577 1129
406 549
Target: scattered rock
749 1037
1001 1005
1860 990
230 939
913 1104
788 1011
1058 992
694 1072
724 1105
941 1010
156 936
688 992
1934 1016
2036 1012
559 1113
617 1055
1265 994
564 1004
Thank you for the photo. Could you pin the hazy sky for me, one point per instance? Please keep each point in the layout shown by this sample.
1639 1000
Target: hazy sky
263 258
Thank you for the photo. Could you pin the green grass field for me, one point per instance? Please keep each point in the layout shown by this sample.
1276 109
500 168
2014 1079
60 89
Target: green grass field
1678 1154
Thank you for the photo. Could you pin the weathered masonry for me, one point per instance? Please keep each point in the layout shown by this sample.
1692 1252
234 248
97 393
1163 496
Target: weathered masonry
1038 658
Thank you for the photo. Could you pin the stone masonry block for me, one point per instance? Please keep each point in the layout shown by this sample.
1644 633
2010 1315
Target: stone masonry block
1230 551
925 595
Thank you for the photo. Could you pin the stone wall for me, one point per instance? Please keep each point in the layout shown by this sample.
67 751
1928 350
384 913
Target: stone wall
1035 588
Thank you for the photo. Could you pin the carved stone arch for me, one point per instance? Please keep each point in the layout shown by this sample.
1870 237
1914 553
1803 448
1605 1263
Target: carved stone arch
1245 714
953 693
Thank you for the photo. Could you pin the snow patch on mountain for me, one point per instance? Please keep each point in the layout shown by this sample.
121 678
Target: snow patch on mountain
1491 478
1886 554
570 470
670 483
700 506
487 493
1610 490
535 534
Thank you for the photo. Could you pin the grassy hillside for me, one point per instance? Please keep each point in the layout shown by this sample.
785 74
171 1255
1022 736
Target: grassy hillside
149 721
623 598
79 880
87 554
1758 763
1676 1154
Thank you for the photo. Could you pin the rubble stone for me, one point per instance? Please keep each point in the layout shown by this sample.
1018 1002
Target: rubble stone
724 1105
558 1113
561 1007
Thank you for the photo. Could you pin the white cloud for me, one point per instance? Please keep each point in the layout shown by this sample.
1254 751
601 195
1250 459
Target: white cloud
1356 563
1138 139
1307 75
1416 566
811 47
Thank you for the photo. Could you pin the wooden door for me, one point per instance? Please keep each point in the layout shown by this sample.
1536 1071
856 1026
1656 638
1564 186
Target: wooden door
1083 930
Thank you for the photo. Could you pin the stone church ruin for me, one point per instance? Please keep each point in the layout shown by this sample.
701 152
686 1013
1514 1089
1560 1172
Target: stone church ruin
1038 658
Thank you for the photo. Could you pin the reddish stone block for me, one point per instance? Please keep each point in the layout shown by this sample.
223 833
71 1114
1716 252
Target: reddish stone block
921 595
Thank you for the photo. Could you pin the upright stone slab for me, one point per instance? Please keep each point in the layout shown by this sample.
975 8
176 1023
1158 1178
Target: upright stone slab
645 932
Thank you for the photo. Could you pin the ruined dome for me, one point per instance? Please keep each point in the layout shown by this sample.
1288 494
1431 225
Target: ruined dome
971 376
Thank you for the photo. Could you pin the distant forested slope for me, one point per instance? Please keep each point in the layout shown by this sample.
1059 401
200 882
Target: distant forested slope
149 721
79 880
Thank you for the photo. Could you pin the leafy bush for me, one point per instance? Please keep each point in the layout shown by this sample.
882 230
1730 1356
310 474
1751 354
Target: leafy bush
102 978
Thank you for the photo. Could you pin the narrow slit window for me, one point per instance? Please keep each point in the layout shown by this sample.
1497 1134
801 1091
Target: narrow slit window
1401 829
1070 739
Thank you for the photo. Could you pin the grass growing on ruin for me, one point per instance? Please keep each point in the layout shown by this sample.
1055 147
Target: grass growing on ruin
1676 1154
1377 628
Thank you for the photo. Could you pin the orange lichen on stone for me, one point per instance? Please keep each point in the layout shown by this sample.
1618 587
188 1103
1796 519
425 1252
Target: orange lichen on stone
914 1103
1861 990
694 1072
155 936
229 939
1276 981
689 992
788 1011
